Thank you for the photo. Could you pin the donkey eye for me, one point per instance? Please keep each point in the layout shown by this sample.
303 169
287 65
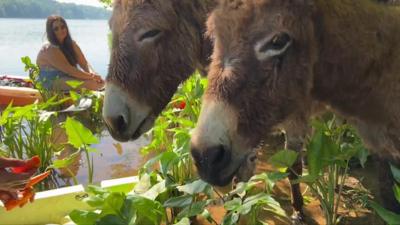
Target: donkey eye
149 34
277 45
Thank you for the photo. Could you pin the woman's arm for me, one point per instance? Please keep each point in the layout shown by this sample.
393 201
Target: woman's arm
83 63
56 58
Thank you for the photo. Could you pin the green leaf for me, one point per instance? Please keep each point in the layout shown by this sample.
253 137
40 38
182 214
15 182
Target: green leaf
74 83
321 151
94 201
154 191
395 172
111 219
78 135
63 163
388 216
183 221
233 204
21 112
74 95
166 160
283 159
251 201
396 190
81 217
273 206
178 202
143 185
269 178
96 190
147 211
362 155
241 188
207 215
306 179
193 209
128 212
113 203
195 187
231 219
4 115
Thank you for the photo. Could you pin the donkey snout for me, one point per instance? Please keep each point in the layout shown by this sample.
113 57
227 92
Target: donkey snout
211 158
118 124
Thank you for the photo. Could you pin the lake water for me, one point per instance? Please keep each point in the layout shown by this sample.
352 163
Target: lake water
24 37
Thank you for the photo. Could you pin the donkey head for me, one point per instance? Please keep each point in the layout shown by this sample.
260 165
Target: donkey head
156 45
261 72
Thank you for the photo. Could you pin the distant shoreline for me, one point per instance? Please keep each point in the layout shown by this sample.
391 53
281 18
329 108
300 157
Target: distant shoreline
34 9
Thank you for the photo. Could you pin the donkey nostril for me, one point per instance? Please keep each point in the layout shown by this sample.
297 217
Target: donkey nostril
120 123
117 124
217 156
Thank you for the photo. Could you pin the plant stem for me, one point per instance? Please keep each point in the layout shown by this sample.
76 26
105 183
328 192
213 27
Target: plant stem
340 191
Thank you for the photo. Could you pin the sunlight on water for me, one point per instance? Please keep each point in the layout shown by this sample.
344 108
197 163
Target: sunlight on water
24 37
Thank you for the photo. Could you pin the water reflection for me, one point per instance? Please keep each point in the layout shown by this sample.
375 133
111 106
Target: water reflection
109 164
112 159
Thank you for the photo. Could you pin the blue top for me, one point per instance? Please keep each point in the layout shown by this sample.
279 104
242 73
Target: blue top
48 75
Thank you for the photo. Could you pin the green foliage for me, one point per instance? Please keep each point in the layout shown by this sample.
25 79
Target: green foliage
106 2
167 181
44 8
396 173
328 154
33 71
78 135
283 159
27 131
389 217
81 138
329 151
246 203
118 208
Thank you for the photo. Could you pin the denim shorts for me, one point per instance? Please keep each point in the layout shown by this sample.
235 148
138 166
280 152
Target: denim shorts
48 76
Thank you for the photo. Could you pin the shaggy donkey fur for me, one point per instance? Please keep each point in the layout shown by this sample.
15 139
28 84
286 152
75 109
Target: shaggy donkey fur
274 60
157 44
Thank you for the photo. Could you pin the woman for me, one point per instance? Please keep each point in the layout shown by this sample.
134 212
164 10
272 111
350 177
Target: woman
58 60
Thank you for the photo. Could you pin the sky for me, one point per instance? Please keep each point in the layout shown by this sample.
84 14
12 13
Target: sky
83 2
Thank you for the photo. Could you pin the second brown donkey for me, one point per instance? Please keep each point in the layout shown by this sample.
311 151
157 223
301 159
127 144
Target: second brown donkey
273 60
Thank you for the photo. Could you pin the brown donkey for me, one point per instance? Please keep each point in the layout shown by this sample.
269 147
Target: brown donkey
274 60
156 45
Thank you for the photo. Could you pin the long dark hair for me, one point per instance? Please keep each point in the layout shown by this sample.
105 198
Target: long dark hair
66 47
